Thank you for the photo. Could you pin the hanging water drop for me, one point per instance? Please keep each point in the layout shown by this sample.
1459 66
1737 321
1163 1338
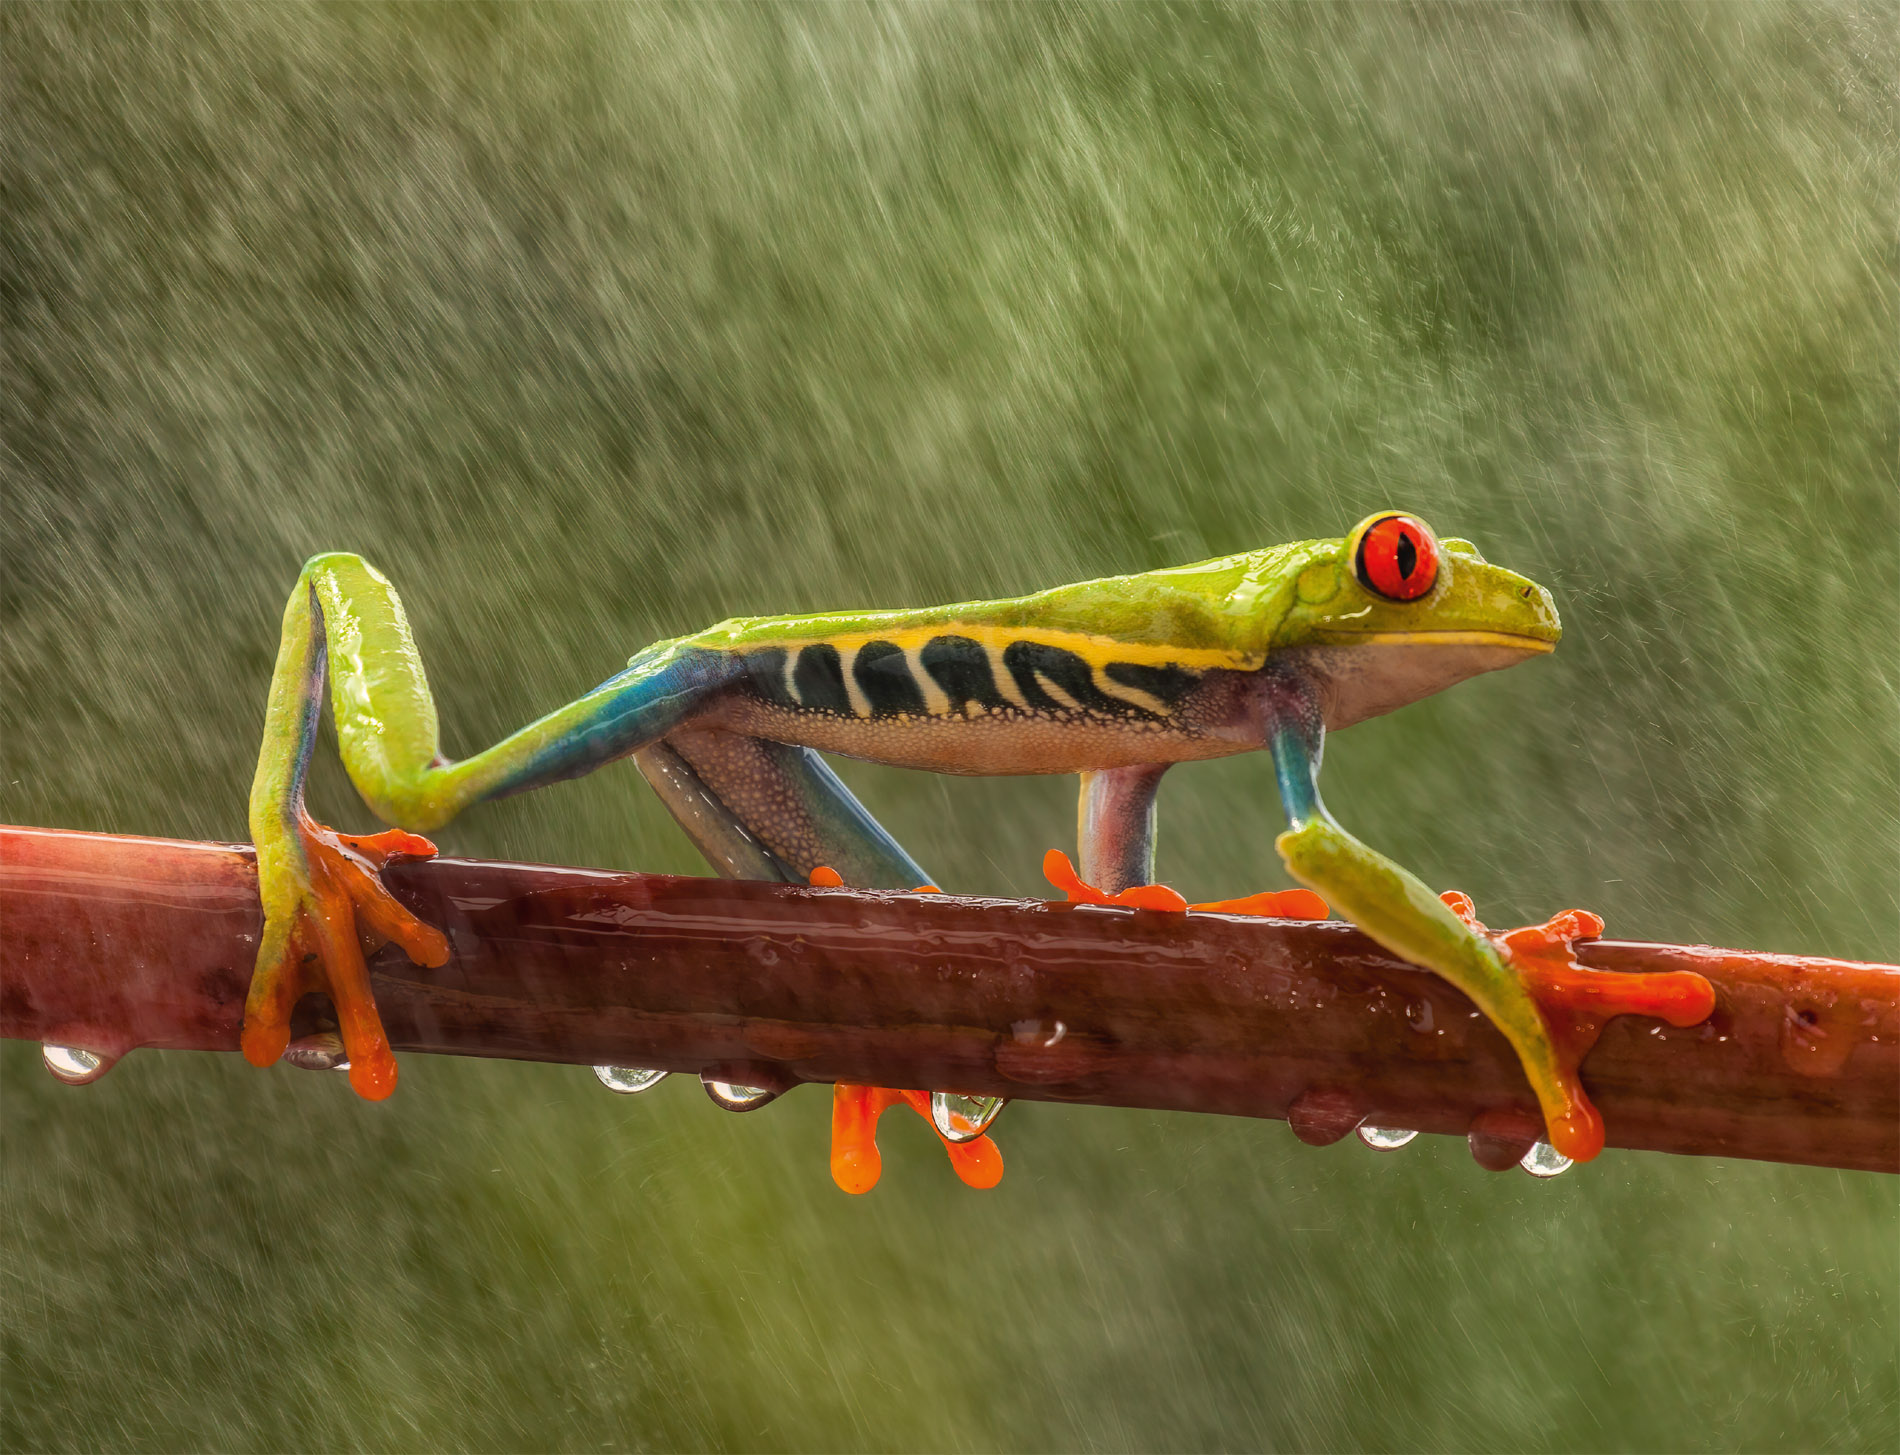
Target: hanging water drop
734 1097
1386 1139
72 1065
1544 1160
320 1052
964 1118
629 1079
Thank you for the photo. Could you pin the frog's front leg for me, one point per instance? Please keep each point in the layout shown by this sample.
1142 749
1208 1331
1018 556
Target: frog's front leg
1115 833
1540 1007
344 622
1115 826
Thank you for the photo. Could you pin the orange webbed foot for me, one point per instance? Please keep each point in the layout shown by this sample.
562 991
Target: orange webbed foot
1274 904
1575 1002
855 1161
323 889
1059 871
826 877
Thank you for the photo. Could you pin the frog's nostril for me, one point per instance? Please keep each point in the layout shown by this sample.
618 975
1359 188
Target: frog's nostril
1525 593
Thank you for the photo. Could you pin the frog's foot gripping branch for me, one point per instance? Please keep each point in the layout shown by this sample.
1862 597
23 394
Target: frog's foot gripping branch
855 1161
1575 1003
1274 904
327 884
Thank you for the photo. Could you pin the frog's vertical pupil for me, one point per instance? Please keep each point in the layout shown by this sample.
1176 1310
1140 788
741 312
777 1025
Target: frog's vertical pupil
1408 555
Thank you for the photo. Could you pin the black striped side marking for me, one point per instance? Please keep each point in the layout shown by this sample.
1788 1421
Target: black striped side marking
961 667
765 671
818 680
883 675
890 681
1038 667
1165 684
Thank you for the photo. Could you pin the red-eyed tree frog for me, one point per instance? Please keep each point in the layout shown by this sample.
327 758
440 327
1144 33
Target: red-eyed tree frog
1114 680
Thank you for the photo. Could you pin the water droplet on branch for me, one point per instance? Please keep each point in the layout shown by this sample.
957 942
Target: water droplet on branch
72 1065
320 1052
1386 1139
629 1079
1544 1160
734 1097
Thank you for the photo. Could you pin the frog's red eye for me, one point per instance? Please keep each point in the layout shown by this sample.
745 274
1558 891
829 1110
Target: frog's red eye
1398 558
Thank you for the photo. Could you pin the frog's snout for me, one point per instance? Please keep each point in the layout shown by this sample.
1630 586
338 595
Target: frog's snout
1526 609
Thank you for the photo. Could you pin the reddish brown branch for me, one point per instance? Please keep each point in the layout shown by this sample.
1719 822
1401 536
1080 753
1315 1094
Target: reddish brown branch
111 943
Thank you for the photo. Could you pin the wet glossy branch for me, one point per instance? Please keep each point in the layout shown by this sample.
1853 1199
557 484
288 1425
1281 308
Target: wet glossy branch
110 943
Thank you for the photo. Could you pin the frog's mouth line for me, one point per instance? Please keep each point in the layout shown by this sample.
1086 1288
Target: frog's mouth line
1517 641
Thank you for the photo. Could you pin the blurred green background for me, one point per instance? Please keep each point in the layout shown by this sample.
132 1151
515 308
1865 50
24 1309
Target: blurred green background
591 325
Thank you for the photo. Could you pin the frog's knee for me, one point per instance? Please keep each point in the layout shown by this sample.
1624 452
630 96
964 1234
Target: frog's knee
347 576
331 560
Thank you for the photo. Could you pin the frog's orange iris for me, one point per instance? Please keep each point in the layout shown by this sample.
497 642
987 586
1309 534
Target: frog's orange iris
1398 558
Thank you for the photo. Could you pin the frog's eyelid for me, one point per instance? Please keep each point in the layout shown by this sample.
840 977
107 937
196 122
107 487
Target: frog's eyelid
1462 548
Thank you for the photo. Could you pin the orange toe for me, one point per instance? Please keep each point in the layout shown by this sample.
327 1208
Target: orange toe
380 848
978 1163
1152 896
1459 903
856 1163
1273 904
1059 871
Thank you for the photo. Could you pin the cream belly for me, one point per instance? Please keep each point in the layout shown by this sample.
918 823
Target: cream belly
1210 723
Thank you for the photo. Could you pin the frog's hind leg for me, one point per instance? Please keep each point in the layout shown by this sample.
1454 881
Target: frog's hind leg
765 810
732 849
344 623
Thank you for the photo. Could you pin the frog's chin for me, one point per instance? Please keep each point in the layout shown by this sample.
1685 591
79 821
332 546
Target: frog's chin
1377 674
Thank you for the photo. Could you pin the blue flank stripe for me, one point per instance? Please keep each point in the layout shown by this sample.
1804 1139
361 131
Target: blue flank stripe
625 713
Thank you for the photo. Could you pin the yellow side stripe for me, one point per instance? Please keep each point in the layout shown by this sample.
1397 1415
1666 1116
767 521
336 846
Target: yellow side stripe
1097 651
